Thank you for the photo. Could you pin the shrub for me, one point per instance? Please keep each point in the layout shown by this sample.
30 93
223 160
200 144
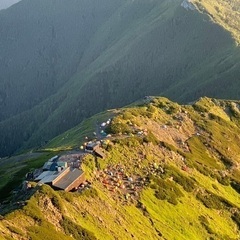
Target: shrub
205 223
45 231
92 192
130 141
235 186
33 211
153 186
197 107
172 110
75 230
56 201
151 138
223 180
140 111
211 200
166 190
68 196
8 238
234 110
118 128
236 218
187 183
172 200
203 169
203 220
127 115
152 109
168 146
89 165
227 161
15 230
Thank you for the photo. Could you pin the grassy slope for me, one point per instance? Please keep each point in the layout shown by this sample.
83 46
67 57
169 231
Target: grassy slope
225 13
13 170
212 159
76 136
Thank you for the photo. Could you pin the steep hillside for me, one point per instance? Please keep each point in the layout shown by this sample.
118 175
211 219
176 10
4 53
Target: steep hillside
41 50
67 60
171 172
226 13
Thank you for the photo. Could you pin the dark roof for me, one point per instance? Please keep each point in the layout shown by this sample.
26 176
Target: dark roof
99 153
53 166
92 146
64 181
47 165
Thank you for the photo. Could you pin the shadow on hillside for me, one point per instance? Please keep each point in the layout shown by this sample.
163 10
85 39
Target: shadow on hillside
18 198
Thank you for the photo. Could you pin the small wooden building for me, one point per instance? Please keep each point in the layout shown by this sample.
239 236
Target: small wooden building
92 146
69 180
99 153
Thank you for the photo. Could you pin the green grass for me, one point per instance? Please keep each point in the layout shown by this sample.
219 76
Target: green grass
224 13
74 230
75 137
201 154
192 197
13 172
181 221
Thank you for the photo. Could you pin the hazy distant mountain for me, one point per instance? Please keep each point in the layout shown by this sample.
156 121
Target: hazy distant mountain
7 3
62 61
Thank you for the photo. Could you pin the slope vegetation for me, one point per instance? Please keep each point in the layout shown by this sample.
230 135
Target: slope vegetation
226 13
180 168
86 56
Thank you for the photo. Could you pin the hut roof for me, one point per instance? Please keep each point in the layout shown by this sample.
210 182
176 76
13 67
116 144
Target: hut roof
47 176
66 180
99 153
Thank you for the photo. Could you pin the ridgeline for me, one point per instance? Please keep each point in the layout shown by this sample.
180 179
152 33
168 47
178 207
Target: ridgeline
63 61
171 172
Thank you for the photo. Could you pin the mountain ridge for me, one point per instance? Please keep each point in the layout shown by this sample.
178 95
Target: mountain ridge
141 45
